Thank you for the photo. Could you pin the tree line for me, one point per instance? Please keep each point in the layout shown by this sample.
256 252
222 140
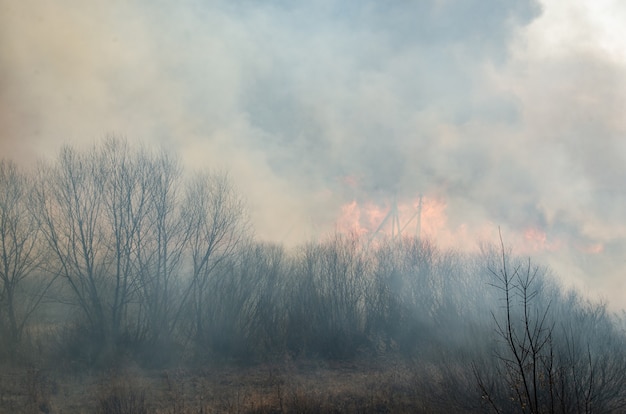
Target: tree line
117 234
116 252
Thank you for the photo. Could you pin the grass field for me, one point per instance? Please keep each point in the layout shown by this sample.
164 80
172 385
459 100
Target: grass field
303 386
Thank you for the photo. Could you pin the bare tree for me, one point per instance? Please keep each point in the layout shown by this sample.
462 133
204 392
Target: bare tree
160 246
327 297
93 207
20 253
263 278
571 361
342 283
216 225
69 199
125 177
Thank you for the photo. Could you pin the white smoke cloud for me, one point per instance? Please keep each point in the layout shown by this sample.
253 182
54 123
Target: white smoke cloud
510 111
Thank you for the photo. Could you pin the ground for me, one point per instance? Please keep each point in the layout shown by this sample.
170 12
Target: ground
363 385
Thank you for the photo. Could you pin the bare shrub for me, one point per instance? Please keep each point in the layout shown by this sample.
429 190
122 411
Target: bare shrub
121 397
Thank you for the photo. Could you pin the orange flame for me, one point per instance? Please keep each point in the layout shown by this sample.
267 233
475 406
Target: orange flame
535 240
594 248
364 219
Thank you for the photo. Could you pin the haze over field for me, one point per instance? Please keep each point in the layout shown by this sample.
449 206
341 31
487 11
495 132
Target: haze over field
502 114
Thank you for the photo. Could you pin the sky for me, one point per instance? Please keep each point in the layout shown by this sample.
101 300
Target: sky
500 114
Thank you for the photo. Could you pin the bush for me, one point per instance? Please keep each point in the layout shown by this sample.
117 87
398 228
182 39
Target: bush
122 398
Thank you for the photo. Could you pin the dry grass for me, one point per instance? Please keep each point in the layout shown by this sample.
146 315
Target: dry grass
289 387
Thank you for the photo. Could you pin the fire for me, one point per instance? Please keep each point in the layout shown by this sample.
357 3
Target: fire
350 219
367 218
428 217
535 239
422 216
434 217
360 219
594 248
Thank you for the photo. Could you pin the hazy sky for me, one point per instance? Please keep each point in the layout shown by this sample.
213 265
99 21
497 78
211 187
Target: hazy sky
502 113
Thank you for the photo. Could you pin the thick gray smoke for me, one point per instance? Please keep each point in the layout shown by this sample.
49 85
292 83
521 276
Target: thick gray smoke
511 112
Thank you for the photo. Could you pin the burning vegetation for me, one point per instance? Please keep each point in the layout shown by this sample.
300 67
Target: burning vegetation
143 282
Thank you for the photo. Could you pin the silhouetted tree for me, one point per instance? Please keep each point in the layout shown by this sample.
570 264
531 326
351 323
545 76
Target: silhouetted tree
571 361
20 255
93 208
216 225
159 250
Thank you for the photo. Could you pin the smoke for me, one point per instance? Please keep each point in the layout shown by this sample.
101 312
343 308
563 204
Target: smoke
511 112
